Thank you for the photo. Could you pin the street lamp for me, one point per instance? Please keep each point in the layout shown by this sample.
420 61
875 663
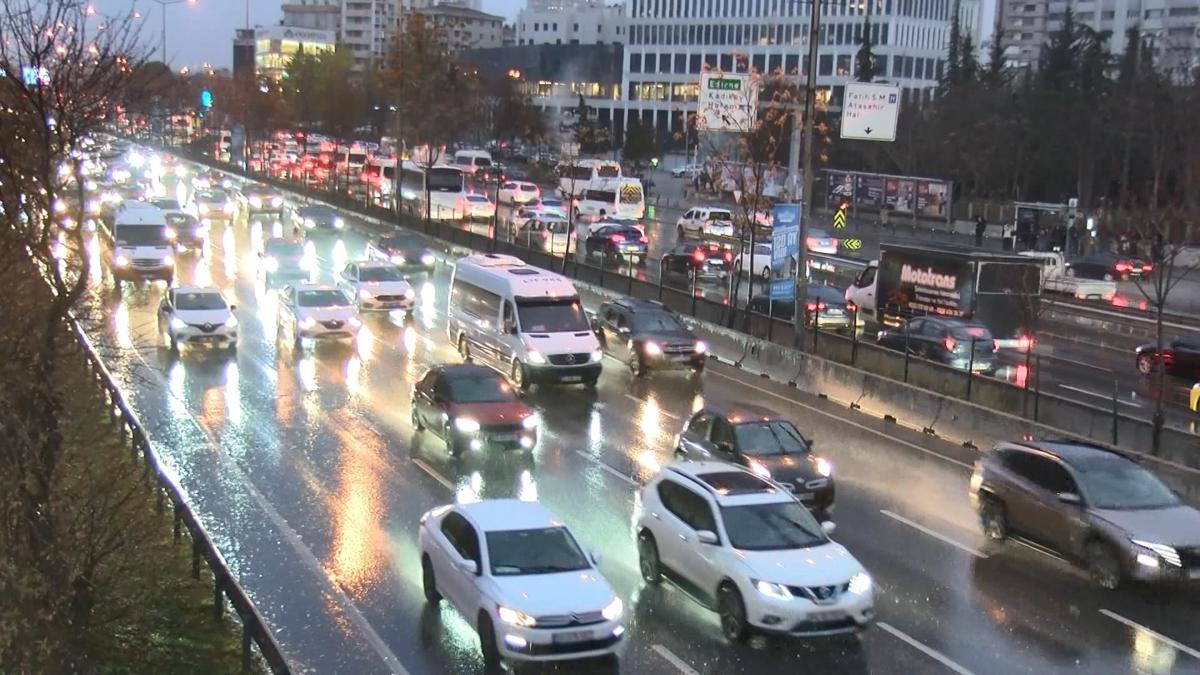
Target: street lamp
163 4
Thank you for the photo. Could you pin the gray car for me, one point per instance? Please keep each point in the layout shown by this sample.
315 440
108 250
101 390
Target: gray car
1091 505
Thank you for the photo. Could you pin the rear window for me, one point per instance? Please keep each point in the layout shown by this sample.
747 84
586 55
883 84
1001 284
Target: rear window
528 187
720 215
608 171
606 196
969 332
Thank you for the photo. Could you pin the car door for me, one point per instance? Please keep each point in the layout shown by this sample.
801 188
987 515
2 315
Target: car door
1187 357
1049 518
423 399
723 443
459 543
685 221
694 441
697 560
507 341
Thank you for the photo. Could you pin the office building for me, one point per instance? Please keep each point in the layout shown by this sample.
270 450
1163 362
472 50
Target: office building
465 28
315 14
585 22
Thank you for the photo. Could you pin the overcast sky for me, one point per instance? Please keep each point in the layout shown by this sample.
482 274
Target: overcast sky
204 32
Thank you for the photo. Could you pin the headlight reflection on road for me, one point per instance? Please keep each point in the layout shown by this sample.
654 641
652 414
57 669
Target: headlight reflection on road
353 368
526 487
365 342
651 420
308 373
95 269
408 338
428 304
470 489
1151 655
176 382
233 394
339 254
121 326
229 253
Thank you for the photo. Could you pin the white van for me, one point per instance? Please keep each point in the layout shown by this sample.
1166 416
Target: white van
615 197
472 160
574 178
523 321
142 244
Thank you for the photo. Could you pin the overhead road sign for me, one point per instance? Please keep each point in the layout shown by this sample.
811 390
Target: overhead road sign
870 111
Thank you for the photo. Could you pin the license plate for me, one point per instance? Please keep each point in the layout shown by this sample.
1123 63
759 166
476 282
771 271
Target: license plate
504 437
572 378
825 616
572 636
834 312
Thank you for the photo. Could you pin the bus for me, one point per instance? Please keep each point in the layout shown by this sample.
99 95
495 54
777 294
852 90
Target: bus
581 174
447 187
379 179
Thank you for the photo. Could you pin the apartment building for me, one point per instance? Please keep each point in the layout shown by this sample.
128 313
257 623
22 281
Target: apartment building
562 22
466 28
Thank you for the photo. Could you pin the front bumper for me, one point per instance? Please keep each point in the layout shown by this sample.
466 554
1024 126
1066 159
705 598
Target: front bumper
520 437
557 644
800 616
817 494
219 337
320 332
682 361
550 374
133 273
385 304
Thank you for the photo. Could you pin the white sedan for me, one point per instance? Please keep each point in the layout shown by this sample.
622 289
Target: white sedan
518 192
520 579
316 312
377 286
192 315
478 207
819 241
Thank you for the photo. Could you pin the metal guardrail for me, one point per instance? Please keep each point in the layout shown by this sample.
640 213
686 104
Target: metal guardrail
255 630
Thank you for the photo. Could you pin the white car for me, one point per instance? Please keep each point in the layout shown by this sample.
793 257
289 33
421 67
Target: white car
819 241
750 550
688 171
705 221
547 207
316 312
377 286
193 315
519 577
478 207
518 192
758 260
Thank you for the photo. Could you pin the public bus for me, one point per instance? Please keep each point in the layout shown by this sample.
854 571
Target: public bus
580 175
447 187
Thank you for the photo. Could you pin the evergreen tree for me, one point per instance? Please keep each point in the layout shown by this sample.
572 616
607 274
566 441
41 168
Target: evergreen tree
994 76
951 75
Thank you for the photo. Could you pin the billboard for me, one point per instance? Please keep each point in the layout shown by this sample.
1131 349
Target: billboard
785 244
925 197
728 102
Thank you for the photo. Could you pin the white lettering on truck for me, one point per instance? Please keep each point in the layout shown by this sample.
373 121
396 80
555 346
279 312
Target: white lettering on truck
927 277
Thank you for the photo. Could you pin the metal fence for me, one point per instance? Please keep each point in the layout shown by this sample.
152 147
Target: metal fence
225 586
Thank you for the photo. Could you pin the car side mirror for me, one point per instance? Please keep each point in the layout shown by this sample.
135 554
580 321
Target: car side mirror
595 323
707 537
596 558
510 328
1069 498
725 447
233 308
468 567
828 526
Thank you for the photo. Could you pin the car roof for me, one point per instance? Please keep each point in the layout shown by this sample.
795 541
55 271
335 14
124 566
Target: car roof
372 263
1072 451
728 484
742 412
498 515
638 304
313 286
197 289
453 370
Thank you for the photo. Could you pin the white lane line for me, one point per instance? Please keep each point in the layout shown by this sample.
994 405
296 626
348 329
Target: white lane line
923 648
606 468
680 665
1195 654
307 557
1106 397
843 420
664 413
933 533
434 474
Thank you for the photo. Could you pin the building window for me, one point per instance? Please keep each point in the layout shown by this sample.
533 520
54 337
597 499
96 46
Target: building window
897 66
727 63
651 63
843 65
576 28
825 64
681 63
1108 15
791 64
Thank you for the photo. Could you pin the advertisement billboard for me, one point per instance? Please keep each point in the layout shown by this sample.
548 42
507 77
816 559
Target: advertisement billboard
841 188
728 102
932 198
785 245
868 191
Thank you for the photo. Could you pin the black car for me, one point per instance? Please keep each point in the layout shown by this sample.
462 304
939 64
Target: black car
699 260
1180 356
317 217
616 242
944 340
283 259
406 251
262 199
765 442
190 233
646 335
826 305
1092 505
1107 266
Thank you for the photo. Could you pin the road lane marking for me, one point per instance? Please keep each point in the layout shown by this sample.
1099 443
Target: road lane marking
923 648
1106 397
1195 654
433 473
933 533
608 469
844 420
664 413
1038 548
681 665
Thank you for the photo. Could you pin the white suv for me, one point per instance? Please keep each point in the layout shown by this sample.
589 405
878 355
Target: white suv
516 573
751 551
705 221
192 315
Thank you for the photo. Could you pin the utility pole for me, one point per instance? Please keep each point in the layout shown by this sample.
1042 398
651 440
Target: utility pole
810 106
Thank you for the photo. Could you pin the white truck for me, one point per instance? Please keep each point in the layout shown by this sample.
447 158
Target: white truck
1055 279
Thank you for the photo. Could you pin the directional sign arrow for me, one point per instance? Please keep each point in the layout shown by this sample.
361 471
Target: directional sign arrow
868 130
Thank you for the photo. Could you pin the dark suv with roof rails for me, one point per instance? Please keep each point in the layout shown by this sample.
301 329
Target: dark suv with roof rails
648 336
1090 504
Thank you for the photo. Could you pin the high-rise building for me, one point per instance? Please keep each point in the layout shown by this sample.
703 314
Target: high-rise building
465 28
561 22
1169 28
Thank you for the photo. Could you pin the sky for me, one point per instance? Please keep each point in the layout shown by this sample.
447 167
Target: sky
204 32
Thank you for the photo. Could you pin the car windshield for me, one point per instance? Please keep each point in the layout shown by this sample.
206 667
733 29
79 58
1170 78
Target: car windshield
558 315
322 298
657 321
552 203
825 294
543 551
318 212
285 250
1113 482
166 204
476 198
141 235
406 242
769 438
199 301
480 389
208 196
771 527
380 273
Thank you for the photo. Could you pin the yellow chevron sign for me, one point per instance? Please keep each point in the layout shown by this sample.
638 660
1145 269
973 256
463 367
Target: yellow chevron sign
852 244
839 218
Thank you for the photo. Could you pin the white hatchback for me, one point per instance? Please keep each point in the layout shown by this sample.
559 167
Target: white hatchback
316 312
518 192
705 221
749 550
519 577
192 315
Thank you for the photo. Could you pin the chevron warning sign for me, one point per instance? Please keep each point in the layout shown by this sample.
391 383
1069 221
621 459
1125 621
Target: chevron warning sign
852 244
839 217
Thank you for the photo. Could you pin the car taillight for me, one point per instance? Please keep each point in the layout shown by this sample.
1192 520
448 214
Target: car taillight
1147 267
1024 343
728 256
851 307
616 238
1123 266
996 345
949 343
642 238
698 256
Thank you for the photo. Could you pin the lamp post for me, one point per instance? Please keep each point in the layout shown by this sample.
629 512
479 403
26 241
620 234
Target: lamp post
810 105
163 4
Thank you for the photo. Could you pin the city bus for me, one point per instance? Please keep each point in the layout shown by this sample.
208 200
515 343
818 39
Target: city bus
581 174
447 187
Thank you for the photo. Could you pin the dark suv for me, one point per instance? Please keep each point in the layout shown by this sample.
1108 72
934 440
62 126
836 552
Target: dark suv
1090 504
765 442
646 335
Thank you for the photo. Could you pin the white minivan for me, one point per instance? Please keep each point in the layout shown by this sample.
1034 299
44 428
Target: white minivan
612 198
521 320
472 160
142 244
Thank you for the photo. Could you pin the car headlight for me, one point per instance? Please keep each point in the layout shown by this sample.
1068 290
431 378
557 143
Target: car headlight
512 616
231 322
276 201
701 347
651 348
177 323
271 264
365 294
759 469
202 208
410 294
229 207
534 356
168 261
467 426
597 355
1167 553
355 321
427 259
614 610
397 260
170 233
308 322
860 583
310 223
338 223
773 590
121 261
256 202
530 422
824 467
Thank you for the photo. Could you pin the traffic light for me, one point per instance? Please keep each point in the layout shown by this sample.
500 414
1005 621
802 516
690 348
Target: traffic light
206 99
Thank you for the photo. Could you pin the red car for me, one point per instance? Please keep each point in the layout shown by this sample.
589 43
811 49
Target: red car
471 407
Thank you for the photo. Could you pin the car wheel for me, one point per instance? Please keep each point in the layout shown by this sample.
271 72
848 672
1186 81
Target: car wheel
464 349
517 375
452 446
1146 364
648 559
993 520
1103 565
1070 271
429 582
487 644
636 367
732 610
765 274
679 233
417 424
